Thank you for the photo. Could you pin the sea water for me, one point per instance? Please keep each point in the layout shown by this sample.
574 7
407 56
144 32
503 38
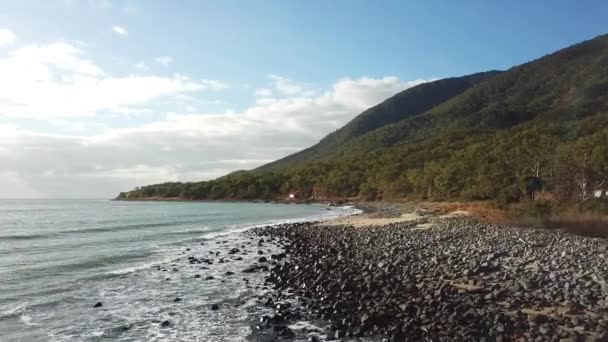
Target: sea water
60 257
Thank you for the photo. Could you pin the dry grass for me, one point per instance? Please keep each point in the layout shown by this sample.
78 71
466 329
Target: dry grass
482 210
588 225
568 221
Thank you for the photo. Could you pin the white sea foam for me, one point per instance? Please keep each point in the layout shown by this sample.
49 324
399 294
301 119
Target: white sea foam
13 311
306 326
132 269
334 212
27 320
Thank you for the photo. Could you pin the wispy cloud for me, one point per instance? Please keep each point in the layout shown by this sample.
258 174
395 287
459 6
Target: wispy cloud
7 37
142 66
56 80
213 84
164 60
285 86
120 30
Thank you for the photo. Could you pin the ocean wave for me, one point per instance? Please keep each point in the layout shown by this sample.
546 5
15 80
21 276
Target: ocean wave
127 227
24 237
27 320
104 230
29 210
336 212
92 263
139 267
14 311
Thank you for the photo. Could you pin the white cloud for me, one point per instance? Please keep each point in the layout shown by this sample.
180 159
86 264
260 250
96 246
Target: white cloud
164 60
360 92
263 92
120 30
213 84
7 37
184 147
34 60
55 80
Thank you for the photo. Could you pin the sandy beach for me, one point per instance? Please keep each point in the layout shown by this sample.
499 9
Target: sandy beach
380 214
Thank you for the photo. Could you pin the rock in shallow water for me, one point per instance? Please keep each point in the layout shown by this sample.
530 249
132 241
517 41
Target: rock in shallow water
283 331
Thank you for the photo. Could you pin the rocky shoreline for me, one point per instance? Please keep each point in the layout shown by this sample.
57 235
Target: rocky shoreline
434 279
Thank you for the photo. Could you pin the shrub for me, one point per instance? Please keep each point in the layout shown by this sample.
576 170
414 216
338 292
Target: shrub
368 191
534 209
595 206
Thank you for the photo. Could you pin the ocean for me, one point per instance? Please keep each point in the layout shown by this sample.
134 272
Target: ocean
58 258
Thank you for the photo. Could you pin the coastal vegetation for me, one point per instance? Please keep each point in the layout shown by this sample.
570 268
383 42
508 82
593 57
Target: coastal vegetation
534 137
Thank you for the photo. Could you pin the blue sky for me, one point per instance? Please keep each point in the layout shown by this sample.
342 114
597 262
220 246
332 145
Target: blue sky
200 88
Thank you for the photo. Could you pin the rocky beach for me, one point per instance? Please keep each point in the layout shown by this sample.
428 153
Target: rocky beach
432 278
394 273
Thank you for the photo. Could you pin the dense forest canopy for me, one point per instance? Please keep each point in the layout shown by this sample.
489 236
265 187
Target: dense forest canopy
537 130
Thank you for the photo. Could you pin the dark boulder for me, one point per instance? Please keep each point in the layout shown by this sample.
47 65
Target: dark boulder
283 331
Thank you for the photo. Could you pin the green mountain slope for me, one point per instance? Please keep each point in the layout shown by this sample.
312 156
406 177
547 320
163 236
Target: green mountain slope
406 104
567 85
538 128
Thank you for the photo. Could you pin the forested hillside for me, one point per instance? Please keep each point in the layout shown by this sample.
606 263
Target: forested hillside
538 129
406 104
